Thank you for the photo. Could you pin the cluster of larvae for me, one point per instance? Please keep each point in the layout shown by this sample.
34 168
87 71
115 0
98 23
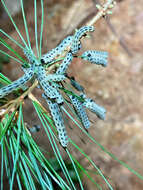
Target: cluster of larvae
53 84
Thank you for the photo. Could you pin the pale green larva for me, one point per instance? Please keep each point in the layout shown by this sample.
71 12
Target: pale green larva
96 57
58 120
78 35
18 83
92 106
80 111
48 57
64 65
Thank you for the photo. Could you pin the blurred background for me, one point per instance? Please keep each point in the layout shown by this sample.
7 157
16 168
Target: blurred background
118 87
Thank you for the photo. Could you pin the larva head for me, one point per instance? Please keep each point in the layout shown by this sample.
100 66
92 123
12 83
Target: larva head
76 44
83 30
42 61
98 110
96 57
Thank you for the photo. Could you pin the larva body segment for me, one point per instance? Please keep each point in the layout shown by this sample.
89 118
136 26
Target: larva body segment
55 77
17 84
92 106
80 111
55 85
48 89
64 44
96 57
59 99
78 35
58 120
48 57
64 65
30 56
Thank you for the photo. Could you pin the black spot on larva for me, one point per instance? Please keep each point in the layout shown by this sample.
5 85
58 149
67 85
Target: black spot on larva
4 90
10 88
42 61
64 134
89 55
61 103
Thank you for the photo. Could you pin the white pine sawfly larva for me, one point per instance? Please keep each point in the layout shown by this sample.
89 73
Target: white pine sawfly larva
78 35
48 57
92 106
80 111
18 83
64 65
58 120
96 57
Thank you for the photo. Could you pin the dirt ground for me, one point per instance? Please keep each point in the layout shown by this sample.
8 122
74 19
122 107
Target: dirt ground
118 87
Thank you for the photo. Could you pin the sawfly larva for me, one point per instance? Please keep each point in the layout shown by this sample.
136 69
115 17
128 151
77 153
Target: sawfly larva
58 120
96 57
80 111
78 35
